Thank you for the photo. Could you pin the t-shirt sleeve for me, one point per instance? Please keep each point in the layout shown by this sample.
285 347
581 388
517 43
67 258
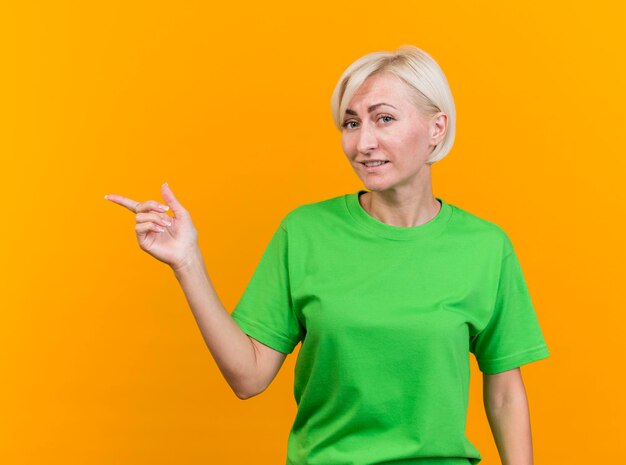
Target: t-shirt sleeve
265 310
512 337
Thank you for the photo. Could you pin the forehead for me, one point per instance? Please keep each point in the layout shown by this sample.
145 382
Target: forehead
381 85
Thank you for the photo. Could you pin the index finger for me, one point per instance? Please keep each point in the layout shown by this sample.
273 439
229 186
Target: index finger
123 201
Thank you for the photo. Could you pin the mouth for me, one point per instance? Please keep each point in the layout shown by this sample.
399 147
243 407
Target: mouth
375 167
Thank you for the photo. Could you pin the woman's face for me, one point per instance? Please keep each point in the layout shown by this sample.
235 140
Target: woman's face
383 123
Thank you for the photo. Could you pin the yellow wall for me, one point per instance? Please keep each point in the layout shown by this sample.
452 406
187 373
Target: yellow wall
101 360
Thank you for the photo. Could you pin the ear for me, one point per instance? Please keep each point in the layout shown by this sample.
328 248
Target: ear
439 126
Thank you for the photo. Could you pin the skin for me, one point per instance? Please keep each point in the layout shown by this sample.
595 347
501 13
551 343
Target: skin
401 195
506 406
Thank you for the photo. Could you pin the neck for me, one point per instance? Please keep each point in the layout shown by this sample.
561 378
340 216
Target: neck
405 210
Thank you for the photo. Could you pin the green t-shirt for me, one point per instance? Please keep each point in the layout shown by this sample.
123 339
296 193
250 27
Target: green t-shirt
387 317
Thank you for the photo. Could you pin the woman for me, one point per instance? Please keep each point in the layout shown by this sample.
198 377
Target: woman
388 289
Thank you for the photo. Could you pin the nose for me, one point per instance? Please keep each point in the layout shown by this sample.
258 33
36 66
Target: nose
366 139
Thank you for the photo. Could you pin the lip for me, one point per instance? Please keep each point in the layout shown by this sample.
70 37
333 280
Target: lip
373 169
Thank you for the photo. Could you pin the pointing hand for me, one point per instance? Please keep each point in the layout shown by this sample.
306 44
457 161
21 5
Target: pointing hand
172 240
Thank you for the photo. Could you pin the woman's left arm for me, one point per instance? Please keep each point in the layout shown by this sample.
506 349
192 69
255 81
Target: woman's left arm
507 411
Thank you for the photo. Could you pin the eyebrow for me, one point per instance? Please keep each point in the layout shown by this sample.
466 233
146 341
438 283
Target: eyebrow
370 109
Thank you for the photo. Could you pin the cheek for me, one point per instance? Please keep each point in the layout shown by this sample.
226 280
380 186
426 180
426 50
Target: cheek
346 144
412 143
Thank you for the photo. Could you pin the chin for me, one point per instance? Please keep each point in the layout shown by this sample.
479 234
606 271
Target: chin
376 186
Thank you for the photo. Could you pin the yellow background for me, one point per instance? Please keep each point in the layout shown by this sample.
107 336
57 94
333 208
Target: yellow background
101 360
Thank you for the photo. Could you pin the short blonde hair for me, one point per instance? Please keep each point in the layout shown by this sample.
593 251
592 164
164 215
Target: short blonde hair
418 70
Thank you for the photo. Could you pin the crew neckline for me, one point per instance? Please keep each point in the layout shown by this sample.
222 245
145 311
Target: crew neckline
431 227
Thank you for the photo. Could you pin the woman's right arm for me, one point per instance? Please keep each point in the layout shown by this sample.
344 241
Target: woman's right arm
247 365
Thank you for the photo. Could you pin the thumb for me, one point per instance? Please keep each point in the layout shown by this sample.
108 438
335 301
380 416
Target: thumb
171 200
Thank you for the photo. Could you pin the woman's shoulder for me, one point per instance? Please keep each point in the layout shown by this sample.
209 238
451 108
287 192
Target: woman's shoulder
471 223
316 211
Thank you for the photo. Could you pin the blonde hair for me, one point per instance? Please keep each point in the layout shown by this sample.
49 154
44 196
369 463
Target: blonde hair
415 68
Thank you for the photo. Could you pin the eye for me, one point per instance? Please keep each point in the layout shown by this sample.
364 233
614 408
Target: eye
347 124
